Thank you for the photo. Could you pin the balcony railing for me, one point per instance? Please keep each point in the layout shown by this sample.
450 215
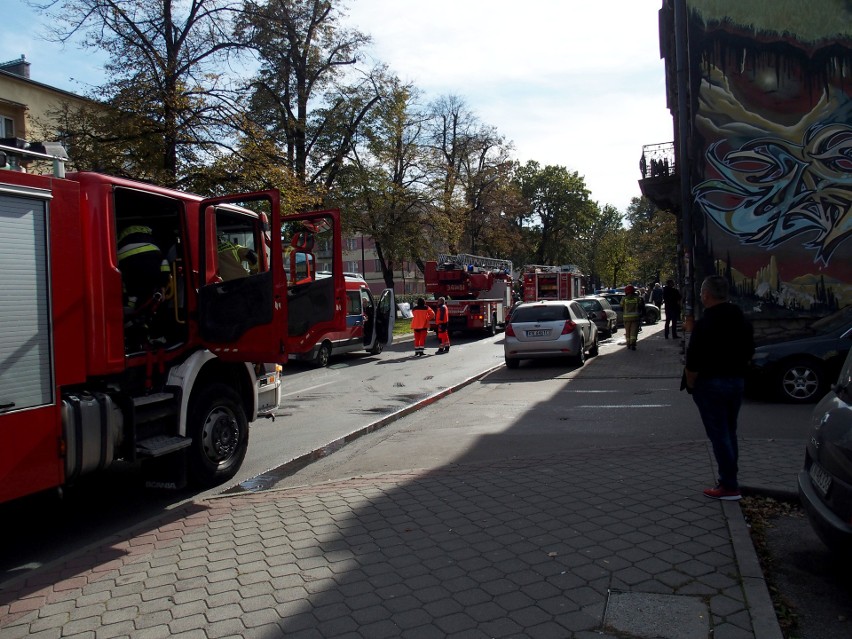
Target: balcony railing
658 160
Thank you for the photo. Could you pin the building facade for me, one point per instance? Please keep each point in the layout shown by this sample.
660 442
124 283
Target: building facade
760 170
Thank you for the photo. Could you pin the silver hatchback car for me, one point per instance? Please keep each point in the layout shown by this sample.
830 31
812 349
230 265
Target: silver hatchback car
549 329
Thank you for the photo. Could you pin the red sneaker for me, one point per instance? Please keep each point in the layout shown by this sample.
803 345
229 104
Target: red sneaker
720 492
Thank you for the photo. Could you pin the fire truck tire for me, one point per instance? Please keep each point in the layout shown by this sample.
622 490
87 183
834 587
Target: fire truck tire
377 349
492 330
323 355
220 432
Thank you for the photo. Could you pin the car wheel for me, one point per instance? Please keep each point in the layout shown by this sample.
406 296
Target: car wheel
323 355
512 363
594 350
801 382
580 359
219 430
651 317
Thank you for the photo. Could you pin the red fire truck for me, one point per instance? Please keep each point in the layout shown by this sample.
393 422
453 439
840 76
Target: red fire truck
551 282
87 381
477 290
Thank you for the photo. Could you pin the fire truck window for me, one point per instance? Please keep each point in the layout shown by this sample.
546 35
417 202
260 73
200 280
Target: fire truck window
353 303
239 240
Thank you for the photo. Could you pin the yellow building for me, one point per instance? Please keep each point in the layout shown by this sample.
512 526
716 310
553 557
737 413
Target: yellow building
24 101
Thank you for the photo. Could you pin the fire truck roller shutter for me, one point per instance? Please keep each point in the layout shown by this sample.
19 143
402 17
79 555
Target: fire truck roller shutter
26 377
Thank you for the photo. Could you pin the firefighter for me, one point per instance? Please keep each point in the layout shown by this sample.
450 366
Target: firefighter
231 258
631 306
144 269
421 316
442 320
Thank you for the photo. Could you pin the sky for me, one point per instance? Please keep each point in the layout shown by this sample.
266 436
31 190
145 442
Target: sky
574 83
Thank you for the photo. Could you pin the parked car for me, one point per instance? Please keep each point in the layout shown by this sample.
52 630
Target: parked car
548 329
601 312
825 483
652 313
800 368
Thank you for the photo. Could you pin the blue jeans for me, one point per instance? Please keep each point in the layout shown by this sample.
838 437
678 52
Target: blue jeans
718 400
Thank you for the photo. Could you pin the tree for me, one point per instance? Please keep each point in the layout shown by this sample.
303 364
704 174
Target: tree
558 207
591 256
165 61
297 98
382 184
655 231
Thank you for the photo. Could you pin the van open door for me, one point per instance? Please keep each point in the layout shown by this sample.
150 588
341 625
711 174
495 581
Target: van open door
378 329
242 313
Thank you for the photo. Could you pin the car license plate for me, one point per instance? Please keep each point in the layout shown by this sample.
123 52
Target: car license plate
538 333
821 479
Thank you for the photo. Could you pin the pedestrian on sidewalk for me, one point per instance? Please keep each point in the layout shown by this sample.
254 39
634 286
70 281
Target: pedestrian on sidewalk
719 350
631 308
421 315
442 321
671 300
657 295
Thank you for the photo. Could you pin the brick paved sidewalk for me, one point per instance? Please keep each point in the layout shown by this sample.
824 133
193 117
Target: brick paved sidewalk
546 547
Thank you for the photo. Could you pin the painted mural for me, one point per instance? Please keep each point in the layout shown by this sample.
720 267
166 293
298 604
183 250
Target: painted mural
773 131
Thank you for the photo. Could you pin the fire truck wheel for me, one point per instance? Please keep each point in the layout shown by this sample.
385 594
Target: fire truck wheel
377 348
492 330
219 431
323 355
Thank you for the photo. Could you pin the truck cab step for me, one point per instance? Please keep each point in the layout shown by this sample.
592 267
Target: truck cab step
160 445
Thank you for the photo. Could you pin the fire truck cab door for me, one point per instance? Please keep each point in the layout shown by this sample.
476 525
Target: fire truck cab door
242 313
381 329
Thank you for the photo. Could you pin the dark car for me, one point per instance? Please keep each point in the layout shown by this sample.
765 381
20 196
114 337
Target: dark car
800 368
549 329
600 311
651 315
825 483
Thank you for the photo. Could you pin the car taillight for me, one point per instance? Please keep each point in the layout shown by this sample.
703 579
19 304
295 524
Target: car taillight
569 327
509 330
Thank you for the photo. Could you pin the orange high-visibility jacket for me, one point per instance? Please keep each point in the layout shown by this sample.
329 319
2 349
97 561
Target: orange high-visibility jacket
421 318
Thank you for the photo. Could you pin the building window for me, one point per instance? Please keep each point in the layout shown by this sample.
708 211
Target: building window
351 267
351 243
8 125
377 266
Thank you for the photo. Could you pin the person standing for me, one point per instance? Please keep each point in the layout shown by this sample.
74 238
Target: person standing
717 356
421 315
657 295
631 314
671 300
442 321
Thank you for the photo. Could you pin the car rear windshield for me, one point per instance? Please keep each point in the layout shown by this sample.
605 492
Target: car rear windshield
541 314
589 305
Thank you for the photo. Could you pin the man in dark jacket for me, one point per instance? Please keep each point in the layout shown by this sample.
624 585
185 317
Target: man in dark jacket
671 300
717 356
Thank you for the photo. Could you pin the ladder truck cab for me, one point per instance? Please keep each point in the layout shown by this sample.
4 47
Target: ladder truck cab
552 282
96 373
477 291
